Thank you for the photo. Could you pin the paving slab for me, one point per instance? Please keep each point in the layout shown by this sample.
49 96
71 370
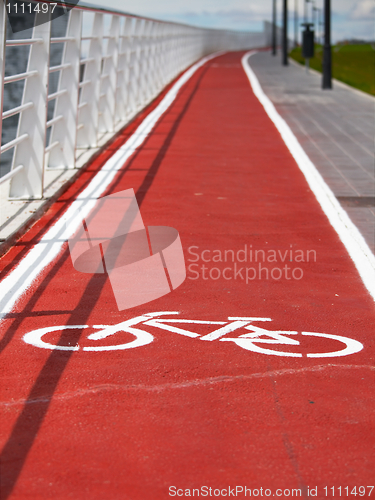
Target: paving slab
335 127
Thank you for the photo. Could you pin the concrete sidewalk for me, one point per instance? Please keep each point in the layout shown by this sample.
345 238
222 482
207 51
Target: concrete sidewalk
335 128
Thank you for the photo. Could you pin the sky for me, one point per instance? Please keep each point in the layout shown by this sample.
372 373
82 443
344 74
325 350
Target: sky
350 18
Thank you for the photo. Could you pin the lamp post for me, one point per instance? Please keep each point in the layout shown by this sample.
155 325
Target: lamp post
274 41
317 22
327 50
321 26
295 23
306 16
285 33
314 15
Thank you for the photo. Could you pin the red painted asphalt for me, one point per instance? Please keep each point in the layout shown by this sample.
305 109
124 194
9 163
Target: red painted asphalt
129 424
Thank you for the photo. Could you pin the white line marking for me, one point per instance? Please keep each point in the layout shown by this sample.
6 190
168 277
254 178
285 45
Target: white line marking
352 346
195 321
50 245
141 337
247 341
224 330
160 323
248 345
354 242
237 322
35 337
235 318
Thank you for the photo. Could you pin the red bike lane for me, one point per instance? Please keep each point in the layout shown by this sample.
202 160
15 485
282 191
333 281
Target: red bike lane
182 412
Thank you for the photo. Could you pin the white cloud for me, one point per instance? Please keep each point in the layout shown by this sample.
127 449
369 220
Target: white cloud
364 9
350 17
240 19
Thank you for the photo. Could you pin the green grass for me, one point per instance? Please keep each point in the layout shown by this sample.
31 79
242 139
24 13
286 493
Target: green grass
352 64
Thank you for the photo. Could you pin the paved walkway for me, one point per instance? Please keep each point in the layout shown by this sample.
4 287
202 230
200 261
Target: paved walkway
256 372
336 129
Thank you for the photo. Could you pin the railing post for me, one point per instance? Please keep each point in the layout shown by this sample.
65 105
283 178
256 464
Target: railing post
28 183
3 25
133 68
175 54
120 95
88 108
163 52
143 63
150 61
167 54
180 41
108 82
128 60
137 48
158 55
64 132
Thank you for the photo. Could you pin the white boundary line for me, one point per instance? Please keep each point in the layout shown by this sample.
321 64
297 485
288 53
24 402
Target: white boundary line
354 242
50 245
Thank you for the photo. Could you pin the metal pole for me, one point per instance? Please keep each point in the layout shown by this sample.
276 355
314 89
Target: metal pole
315 17
285 33
295 23
274 41
327 51
321 26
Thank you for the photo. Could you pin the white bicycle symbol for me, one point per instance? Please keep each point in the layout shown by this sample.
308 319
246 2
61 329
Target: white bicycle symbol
248 341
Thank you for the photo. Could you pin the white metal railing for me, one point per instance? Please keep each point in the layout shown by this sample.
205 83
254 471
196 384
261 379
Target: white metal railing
128 62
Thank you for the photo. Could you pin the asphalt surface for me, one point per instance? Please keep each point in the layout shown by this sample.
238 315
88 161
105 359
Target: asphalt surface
287 411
